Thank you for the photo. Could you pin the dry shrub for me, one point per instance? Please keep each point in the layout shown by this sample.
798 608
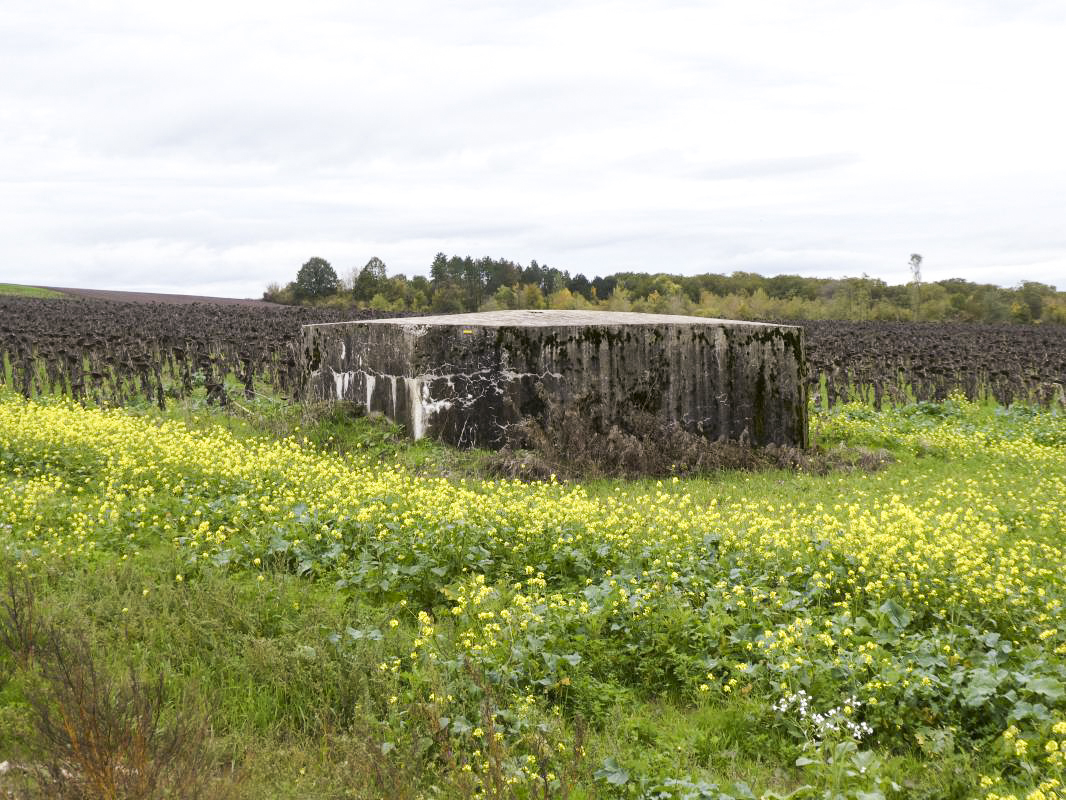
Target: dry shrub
427 758
93 735
571 446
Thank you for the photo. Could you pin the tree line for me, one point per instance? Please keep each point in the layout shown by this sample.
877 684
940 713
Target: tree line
461 283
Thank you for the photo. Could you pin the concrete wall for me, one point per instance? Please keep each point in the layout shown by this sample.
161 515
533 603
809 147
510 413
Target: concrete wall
464 378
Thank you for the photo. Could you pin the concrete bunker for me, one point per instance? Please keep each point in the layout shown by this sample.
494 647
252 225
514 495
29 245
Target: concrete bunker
464 378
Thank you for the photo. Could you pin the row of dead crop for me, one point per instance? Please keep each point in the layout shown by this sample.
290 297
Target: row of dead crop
112 353
900 361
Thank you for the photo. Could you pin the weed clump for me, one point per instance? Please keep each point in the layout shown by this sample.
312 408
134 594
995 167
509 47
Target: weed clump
92 735
569 445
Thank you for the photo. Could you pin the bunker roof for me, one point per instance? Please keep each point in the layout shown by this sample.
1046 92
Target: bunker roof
553 318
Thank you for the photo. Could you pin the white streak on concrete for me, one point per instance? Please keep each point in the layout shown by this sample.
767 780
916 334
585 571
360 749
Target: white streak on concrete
370 381
342 380
429 409
422 408
414 399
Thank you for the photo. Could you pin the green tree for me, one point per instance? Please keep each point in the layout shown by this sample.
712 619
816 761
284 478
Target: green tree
370 280
499 272
473 283
504 297
618 300
448 299
316 279
380 303
530 296
418 301
275 293
438 271
1054 309
1033 295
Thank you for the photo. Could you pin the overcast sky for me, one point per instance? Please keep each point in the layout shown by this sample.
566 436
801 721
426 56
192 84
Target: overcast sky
213 147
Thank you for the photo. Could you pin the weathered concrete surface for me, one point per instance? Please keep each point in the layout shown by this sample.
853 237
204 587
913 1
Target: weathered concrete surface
464 378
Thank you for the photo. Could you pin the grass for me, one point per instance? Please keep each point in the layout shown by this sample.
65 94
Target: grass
623 638
28 291
339 428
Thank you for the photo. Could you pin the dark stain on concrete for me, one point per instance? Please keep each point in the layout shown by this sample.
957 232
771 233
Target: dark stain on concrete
465 378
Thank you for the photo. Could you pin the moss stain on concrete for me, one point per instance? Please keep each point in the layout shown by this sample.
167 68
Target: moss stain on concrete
479 371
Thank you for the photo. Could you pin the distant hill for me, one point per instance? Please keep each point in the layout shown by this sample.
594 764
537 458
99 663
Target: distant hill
158 297
18 290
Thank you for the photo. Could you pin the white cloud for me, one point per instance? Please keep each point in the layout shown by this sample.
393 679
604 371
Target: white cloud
215 147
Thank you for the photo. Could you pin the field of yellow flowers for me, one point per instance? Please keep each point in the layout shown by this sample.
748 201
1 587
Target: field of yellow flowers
897 633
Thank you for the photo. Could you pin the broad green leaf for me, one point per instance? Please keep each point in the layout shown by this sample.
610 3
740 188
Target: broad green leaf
897 614
1045 685
612 773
